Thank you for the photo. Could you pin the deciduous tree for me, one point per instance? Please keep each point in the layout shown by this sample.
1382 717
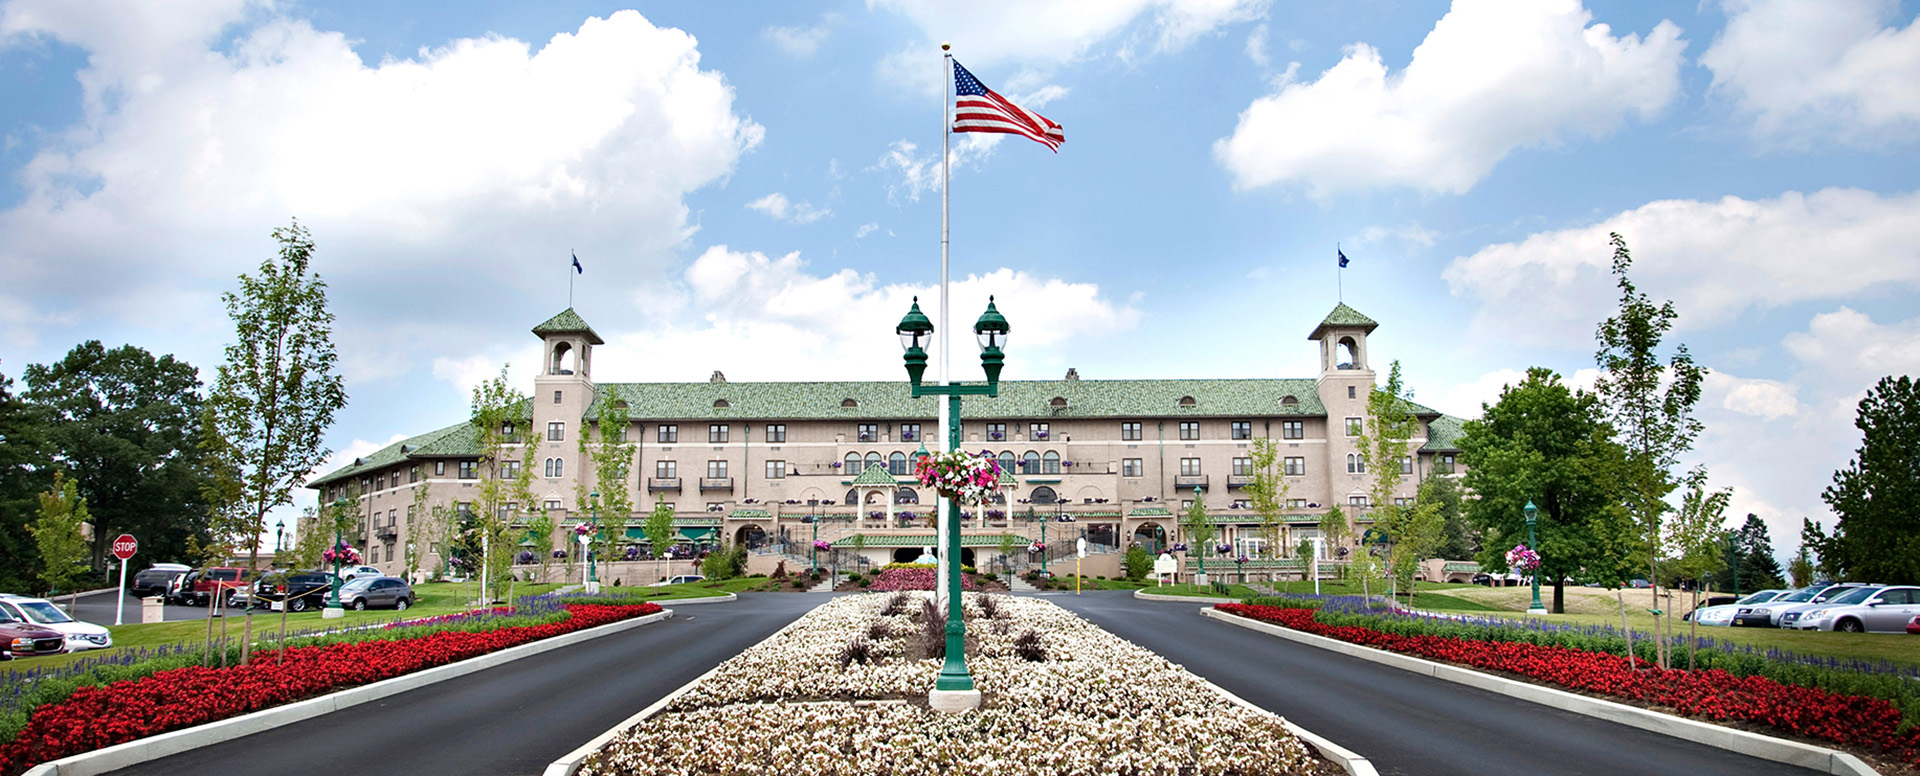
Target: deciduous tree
1267 493
57 534
659 531
500 423
1877 496
1199 528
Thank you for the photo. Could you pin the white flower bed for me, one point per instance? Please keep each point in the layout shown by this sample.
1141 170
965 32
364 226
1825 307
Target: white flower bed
1096 705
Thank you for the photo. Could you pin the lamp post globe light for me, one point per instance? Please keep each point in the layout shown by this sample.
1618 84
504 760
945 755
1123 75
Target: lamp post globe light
954 691
1534 544
333 610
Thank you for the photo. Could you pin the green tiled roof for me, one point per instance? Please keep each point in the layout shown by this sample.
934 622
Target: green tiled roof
568 322
686 521
1150 512
1019 399
874 475
753 514
1452 567
1444 433
1343 316
414 447
927 540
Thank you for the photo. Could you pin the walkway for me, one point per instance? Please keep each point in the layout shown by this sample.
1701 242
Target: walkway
1403 722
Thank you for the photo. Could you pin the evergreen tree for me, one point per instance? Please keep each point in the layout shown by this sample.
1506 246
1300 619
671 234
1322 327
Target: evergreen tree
1877 496
1759 570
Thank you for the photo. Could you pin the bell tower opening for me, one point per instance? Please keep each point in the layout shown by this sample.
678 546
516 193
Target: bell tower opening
562 361
1346 354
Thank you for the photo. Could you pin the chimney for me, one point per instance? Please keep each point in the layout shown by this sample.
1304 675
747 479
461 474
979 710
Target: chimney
1073 375
717 377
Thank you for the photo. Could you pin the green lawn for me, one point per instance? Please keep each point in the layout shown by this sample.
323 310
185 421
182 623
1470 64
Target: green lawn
1089 583
1235 592
1891 647
717 587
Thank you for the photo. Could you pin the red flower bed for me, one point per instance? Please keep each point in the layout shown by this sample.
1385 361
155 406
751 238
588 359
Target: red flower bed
1869 723
98 717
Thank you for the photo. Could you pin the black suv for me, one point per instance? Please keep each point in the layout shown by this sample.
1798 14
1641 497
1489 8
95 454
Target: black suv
302 590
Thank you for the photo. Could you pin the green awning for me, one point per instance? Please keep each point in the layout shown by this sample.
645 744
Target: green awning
696 534
637 534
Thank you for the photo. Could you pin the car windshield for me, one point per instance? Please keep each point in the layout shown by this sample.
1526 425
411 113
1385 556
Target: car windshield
1853 596
1803 594
1759 598
43 612
357 584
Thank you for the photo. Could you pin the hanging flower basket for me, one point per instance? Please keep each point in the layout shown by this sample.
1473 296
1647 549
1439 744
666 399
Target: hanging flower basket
1178 547
343 553
1036 547
1523 560
965 478
582 529
559 554
822 545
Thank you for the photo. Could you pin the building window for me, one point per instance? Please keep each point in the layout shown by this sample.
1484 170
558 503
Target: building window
996 431
717 433
897 464
867 432
413 473
555 467
1130 432
1050 463
1189 429
1132 467
909 432
776 470
1406 464
556 431
469 469
617 436
1243 467
906 496
853 465
715 506
1293 429
552 505
873 459
1296 467
1350 392
1356 501
1189 467
439 468
1030 463
1296 503
1401 502
667 435
716 470
1446 464
1242 503
1243 429
1006 461
776 433
1356 464
1353 427
1044 495
1038 430
556 397
665 470
380 483
509 469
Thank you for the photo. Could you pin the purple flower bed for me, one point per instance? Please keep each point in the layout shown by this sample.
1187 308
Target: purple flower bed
913 579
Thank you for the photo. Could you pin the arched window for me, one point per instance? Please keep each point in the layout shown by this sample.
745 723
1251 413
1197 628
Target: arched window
721 404
1044 495
1187 401
556 467
1050 463
853 464
906 496
897 464
1289 400
1030 463
562 363
853 497
873 459
1006 461
1356 464
999 497
1058 401
848 404
1346 354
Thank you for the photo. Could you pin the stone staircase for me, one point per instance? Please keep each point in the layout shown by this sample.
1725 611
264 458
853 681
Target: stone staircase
1020 585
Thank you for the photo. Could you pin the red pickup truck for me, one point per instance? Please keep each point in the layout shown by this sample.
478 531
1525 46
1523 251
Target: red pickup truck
229 583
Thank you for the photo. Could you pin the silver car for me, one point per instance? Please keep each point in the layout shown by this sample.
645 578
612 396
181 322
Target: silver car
1722 615
1875 610
1789 617
376 592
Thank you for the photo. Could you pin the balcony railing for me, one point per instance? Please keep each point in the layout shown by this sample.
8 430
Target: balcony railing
716 483
1239 480
663 483
1190 481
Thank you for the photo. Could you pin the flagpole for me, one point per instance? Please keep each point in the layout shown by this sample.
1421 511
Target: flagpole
946 331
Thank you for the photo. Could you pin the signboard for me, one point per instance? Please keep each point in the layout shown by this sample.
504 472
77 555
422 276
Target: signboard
1082 547
1166 564
124 546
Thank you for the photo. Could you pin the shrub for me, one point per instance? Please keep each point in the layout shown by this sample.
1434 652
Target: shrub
879 630
896 605
990 606
854 578
858 650
1138 563
1029 647
799 585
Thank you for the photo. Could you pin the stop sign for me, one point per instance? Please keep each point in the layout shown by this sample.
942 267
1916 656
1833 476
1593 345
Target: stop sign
124 545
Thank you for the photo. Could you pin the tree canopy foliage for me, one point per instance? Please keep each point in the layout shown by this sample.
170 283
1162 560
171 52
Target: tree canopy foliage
1877 495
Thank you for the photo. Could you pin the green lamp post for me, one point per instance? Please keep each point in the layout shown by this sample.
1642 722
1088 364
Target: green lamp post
333 610
1534 544
954 689
813 549
593 515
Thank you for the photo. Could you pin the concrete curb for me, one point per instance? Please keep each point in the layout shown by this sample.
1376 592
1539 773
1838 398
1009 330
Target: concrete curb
718 599
569 763
1354 764
1143 595
142 750
1780 750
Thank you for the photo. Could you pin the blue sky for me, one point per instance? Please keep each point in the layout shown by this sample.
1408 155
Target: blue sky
754 188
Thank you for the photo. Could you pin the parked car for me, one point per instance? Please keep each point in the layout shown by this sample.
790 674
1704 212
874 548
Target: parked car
355 572
229 583
679 579
19 638
370 592
1722 614
1767 615
1496 580
1790 617
178 589
1913 625
299 590
1878 610
1639 584
41 612
155 580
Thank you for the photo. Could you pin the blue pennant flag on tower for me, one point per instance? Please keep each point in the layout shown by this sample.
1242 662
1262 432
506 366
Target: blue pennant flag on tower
578 271
1336 252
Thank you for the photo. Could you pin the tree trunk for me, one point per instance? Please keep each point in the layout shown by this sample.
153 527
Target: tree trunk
282 654
1693 628
1621 594
1560 596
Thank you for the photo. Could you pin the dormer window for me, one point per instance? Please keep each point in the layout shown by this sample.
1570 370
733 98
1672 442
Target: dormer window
722 404
1187 401
848 404
1289 400
1059 402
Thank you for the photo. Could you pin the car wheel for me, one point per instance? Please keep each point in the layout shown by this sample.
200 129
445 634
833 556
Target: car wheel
400 605
298 605
359 604
233 601
1849 626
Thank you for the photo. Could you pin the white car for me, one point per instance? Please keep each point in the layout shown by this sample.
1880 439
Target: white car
679 580
40 611
1723 615
347 573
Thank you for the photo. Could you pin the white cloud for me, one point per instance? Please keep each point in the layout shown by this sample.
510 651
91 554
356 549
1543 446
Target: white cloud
208 124
1492 76
1714 259
1045 34
802 42
1812 71
1466 400
1760 398
911 173
1847 346
866 229
1257 46
777 207
758 317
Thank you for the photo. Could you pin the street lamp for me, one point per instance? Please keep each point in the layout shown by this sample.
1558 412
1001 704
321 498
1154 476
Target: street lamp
279 535
954 691
1534 544
813 548
333 610
593 512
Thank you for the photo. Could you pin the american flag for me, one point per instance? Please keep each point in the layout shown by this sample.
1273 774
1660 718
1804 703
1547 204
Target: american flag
979 109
